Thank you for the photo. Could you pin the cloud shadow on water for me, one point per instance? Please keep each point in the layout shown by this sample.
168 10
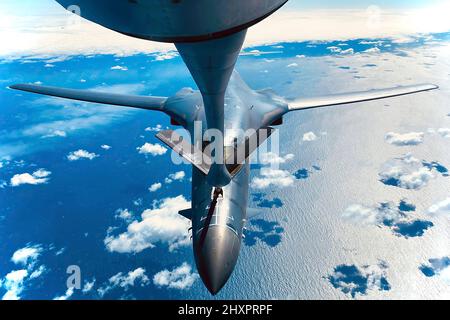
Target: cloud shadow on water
268 232
436 166
435 266
263 202
354 280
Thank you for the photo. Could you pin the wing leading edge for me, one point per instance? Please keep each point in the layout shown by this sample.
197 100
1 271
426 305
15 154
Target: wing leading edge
347 98
133 101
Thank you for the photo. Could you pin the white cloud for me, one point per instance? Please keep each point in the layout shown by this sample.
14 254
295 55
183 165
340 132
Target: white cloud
372 215
152 149
406 172
166 56
348 51
373 50
67 295
177 176
88 286
120 68
180 278
106 147
406 139
40 176
15 281
440 208
445 132
124 281
124 215
272 177
300 56
292 65
38 272
155 187
81 154
334 49
158 128
273 158
56 133
162 224
14 284
137 276
309 136
26 256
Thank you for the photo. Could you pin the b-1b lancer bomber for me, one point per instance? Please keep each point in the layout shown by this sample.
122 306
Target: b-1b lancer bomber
209 35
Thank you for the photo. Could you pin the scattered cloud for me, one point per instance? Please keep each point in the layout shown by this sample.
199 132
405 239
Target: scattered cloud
56 133
348 51
133 278
360 280
106 147
136 277
161 224
166 55
66 296
439 267
27 256
406 172
15 281
88 286
445 132
152 149
81 154
406 139
374 50
441 208
177 176
274 158
339 50
387 214
120 68
272 177
157 128
155 187
309 136
40 176
180 278
292 65
125 215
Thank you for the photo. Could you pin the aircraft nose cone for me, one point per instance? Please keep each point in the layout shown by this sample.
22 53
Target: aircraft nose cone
216 257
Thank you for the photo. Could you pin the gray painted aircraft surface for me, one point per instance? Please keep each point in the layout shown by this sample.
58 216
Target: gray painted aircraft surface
209 36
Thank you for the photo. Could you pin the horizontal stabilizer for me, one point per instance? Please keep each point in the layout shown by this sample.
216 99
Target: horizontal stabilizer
240 153
235 156
187 213
192 154
346 98
133 101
